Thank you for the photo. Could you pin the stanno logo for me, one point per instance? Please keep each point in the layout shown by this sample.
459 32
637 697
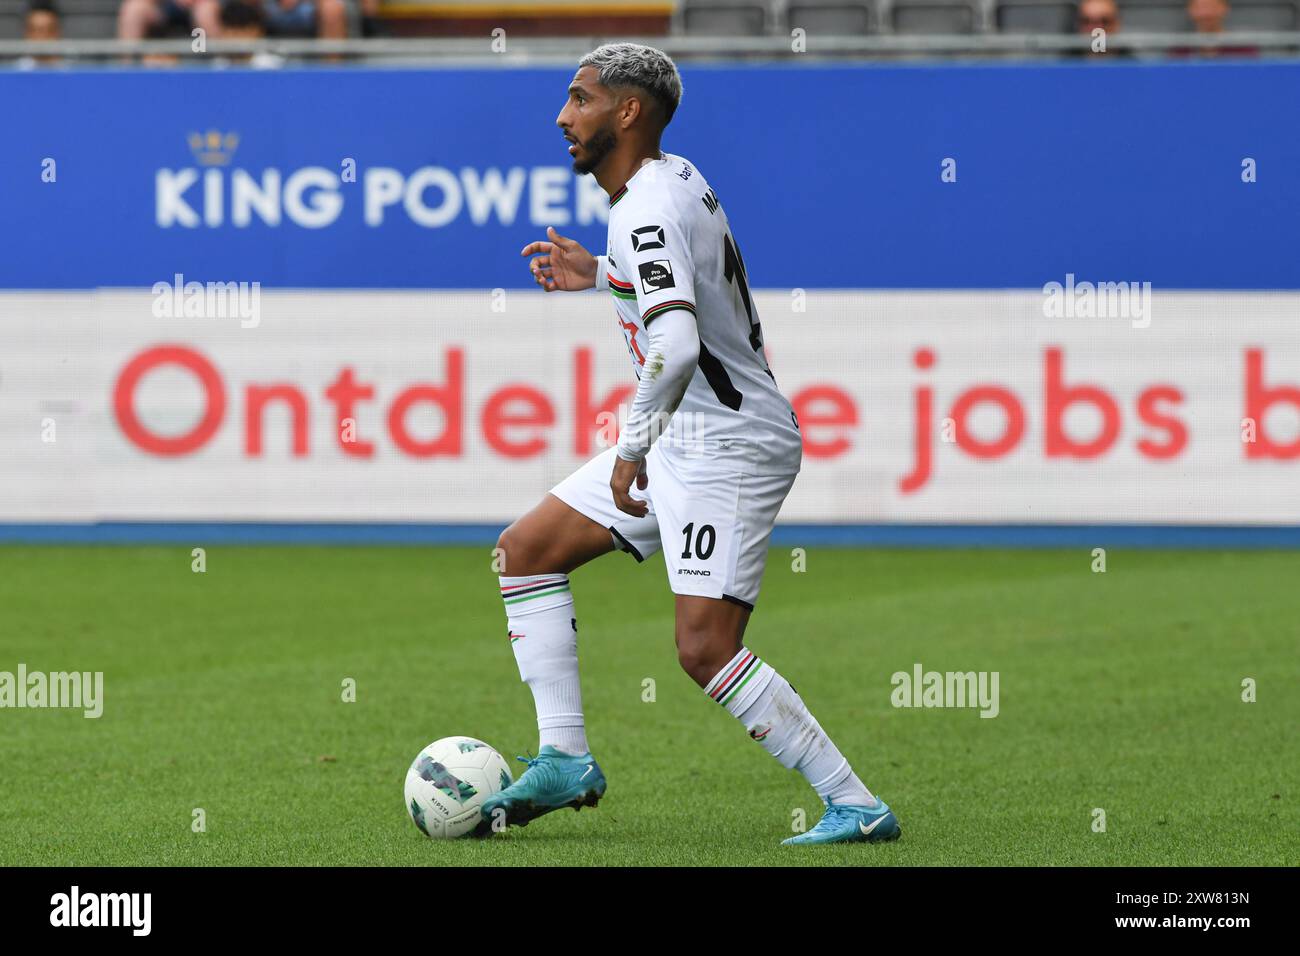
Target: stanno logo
692 571
103 909
647 238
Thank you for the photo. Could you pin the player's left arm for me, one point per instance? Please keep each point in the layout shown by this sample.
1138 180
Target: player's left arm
659 263
671 358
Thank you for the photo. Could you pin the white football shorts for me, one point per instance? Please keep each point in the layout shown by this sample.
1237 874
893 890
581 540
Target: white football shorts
712 523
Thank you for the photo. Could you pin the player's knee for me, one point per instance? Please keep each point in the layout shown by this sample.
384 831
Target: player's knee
689 657
506 549
518 551
697 653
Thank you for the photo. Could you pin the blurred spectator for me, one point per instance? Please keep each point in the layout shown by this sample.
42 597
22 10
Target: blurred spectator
43 21
138 19
327 19
1210 16
160 31
1098 15
246 20
41 25
242 20
370 23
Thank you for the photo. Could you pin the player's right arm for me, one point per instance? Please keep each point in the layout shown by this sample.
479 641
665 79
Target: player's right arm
563 265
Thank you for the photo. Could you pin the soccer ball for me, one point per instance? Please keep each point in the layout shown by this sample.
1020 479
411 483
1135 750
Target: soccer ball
448 783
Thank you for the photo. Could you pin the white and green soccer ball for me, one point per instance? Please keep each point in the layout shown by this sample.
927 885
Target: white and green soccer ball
448 782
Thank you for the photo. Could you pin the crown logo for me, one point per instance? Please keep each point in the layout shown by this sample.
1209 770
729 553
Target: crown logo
213 148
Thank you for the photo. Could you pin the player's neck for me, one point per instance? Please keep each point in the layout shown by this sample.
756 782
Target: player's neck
620 171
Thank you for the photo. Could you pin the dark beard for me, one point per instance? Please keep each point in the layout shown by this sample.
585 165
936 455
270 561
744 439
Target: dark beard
600 145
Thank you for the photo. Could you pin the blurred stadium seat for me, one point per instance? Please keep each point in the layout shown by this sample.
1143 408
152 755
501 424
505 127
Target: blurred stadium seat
11 19
1034 16
933 16
88 19
828 17
1263 15
726 18
1154 16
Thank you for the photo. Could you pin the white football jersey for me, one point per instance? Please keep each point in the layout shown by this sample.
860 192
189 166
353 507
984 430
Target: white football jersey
670 247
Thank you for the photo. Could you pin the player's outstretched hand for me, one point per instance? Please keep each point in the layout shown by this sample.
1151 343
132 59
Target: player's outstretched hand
625 472
563 264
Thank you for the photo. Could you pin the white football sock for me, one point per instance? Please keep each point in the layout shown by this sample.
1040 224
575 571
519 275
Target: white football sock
543 632
775 716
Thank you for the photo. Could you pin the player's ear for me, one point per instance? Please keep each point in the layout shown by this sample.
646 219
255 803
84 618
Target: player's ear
630 110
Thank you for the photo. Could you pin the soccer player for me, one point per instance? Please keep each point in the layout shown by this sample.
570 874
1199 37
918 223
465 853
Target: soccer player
727 451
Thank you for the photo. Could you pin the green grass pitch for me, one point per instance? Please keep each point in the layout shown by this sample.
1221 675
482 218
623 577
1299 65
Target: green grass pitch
223 691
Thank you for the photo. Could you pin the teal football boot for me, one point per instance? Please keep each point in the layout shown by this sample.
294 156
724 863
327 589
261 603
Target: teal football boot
852 824
553 780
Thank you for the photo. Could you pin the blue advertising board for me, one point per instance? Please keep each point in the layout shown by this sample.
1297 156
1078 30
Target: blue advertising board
832 176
